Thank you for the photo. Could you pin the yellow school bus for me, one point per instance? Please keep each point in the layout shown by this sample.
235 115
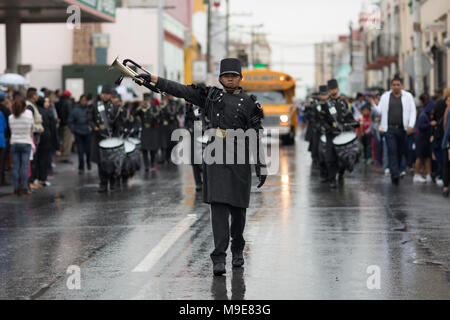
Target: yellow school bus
275 92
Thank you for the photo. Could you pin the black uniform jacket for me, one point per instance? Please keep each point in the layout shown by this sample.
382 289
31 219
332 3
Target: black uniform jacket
115 118
223 183
150 121
336 117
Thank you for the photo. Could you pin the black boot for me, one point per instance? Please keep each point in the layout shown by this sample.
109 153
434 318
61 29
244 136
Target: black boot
219 268
103 188
445 193
323 180
341 179
238 259
112 184
395 181
333 184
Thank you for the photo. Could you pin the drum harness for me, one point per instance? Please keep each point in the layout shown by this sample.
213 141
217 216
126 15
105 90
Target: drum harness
102 111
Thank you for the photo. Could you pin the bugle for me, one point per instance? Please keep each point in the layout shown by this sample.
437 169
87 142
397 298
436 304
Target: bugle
126 71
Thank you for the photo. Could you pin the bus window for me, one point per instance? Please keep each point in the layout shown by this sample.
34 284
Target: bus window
269 97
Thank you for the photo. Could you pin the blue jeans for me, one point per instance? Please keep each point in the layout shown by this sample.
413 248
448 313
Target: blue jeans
396 143
21 155
385 152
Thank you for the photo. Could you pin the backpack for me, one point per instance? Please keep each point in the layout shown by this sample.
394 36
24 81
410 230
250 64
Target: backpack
38 128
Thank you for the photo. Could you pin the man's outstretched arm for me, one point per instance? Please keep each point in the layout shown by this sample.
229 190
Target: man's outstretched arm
196 94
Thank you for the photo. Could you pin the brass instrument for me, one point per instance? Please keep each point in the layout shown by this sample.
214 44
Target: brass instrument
126 71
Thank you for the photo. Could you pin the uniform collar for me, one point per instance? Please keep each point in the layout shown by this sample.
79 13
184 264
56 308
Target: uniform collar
237 91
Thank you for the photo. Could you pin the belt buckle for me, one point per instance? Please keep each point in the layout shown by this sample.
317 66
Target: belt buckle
221 133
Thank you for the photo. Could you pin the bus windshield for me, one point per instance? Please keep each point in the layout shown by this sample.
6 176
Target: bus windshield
269 97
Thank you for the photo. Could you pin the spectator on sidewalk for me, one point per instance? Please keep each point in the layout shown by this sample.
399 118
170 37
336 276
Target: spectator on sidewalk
63 108
32 97
358 104
446 147
3 129
78 123
5 109
398 117
377 135
21 123
423 143
437 124
47 142
365 131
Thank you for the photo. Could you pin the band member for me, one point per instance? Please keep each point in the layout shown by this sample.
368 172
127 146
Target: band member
316 131
336 118
192 120
149 115
164 129
129 127
226 187
105 121
174 109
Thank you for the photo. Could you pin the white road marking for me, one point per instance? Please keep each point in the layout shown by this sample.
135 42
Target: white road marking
165 243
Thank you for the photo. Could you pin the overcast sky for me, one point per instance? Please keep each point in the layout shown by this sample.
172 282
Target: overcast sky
292 26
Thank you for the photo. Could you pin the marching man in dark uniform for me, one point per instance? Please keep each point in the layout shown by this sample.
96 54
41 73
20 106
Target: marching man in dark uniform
226 187
316 131
164 129
105 121
336 117
149 115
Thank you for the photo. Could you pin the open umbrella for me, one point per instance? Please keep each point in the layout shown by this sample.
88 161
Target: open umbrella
12 79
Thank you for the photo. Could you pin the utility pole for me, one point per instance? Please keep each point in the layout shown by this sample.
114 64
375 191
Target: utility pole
350 41
208 39
227 39
418 71
322 65
252 46
161 38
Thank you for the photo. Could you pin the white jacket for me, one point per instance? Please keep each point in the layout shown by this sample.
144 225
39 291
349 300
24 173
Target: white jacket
409 110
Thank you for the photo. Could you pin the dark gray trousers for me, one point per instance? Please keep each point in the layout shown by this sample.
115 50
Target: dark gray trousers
220 214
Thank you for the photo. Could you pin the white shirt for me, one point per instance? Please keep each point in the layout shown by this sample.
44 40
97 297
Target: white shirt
408 106
21 127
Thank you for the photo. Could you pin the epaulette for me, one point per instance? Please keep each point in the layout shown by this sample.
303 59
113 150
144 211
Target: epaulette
201 86
255 99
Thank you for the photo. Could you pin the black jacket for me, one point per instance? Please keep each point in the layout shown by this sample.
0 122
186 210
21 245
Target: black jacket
49 138
63 109
223 183
114 118
336 117
78 120
149 117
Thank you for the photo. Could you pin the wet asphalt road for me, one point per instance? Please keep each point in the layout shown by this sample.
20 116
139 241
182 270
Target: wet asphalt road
303 240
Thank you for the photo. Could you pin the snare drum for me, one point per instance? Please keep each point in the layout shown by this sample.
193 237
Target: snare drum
112 154
348 149
136 142
128 166
136 155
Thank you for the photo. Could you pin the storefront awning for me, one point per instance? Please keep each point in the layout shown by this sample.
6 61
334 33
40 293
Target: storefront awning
56 11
